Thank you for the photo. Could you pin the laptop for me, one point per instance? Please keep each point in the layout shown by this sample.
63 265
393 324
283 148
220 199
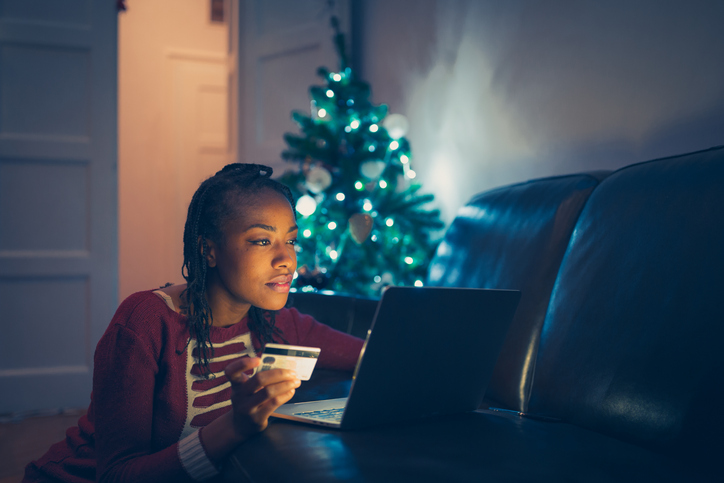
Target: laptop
430 351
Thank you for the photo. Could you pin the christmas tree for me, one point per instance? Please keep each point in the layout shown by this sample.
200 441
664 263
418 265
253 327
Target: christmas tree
362 224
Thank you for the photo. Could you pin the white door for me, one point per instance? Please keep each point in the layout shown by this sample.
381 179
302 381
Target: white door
174 132
282 43
58 206
199 119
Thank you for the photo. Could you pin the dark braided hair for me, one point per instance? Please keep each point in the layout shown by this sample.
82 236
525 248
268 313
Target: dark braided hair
220 199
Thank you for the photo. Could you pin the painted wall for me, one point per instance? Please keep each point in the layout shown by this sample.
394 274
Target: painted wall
500 92
172 62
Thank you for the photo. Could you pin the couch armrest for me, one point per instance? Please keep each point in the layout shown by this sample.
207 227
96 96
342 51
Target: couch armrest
346 313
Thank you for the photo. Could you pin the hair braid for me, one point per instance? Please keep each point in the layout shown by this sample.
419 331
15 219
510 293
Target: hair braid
217 201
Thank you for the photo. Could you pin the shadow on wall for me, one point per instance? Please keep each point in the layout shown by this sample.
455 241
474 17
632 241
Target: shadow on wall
523 89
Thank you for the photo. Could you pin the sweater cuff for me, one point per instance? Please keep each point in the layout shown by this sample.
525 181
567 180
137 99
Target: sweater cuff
194 459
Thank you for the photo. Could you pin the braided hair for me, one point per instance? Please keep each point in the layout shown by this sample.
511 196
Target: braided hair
218 200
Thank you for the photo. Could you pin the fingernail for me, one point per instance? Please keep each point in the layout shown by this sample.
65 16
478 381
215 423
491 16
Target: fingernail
297 383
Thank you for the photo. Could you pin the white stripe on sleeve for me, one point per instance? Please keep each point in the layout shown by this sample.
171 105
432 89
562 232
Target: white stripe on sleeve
194 459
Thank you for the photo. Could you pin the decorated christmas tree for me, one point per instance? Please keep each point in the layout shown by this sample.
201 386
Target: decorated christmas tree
362 223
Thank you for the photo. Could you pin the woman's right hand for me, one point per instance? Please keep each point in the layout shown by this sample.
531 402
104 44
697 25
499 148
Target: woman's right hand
254 399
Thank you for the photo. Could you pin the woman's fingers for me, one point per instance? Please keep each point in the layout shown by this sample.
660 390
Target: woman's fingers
264 380
235 369
256 399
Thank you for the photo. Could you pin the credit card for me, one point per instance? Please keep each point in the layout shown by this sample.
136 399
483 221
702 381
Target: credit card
294 357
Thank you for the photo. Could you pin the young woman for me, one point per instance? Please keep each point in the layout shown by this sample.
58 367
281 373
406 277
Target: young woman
175 386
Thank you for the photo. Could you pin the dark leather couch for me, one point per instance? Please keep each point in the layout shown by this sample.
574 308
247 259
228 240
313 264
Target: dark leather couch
618 336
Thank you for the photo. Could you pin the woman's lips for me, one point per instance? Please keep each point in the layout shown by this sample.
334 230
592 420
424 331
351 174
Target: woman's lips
281 284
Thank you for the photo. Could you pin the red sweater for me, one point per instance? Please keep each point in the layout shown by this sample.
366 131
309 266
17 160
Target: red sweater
147 394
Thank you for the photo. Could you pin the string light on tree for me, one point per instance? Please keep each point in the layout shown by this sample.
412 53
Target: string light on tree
362 217
306 205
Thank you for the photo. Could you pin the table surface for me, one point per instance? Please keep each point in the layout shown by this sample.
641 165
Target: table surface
477 446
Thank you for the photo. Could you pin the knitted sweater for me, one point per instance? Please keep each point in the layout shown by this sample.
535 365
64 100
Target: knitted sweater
149 401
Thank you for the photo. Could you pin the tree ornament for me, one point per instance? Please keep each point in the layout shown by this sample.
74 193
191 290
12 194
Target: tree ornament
372 169
360 227
318 179
396 125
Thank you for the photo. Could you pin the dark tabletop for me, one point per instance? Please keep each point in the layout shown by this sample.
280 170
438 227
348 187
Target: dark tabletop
477 446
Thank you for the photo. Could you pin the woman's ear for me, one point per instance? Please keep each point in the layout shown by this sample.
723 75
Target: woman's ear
208 250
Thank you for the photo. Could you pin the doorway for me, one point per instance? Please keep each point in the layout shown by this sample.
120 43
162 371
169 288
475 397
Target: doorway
175 62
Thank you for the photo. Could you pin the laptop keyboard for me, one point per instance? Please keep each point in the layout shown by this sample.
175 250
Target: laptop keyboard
334 414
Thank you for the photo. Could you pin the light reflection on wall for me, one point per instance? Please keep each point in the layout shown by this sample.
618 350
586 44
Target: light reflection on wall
522 89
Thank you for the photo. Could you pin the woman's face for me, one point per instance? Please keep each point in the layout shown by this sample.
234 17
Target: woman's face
255 262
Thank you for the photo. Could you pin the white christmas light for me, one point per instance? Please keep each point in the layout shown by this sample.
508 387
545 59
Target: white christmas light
394 145
374 127
336 77
330 93
358 185
367 206
383 184
347 129
389 222
377 279
418 283
294 277
307 233
409 260
371 148
333 254
373 238
331 225
404 159
322 112
411 174
306 205
340 196
354 124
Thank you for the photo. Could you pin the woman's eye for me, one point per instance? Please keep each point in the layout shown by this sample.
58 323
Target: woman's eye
262 242
293 241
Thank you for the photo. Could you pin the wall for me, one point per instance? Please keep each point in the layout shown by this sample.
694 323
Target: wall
499 92
172 130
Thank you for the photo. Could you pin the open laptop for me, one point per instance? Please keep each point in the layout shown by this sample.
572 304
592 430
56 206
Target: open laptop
429 351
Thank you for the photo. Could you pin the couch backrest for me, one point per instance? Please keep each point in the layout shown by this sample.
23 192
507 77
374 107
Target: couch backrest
347 313
633 341
514 237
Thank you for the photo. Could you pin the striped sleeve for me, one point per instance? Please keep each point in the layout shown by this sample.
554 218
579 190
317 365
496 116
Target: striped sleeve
194 459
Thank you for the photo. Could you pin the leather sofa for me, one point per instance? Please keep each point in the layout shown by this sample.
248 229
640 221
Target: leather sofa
617 341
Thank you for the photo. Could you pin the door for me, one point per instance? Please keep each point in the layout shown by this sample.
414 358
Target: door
58 206
174 115
282 43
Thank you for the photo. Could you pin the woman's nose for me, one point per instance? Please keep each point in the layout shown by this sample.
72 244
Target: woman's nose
285 257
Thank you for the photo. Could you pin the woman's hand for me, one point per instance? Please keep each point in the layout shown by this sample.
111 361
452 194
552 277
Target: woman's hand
254 399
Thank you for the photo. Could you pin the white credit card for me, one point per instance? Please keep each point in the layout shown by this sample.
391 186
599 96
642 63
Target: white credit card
294 357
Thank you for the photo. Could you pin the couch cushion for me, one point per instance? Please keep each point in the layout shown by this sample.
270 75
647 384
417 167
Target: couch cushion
514 237
632 342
